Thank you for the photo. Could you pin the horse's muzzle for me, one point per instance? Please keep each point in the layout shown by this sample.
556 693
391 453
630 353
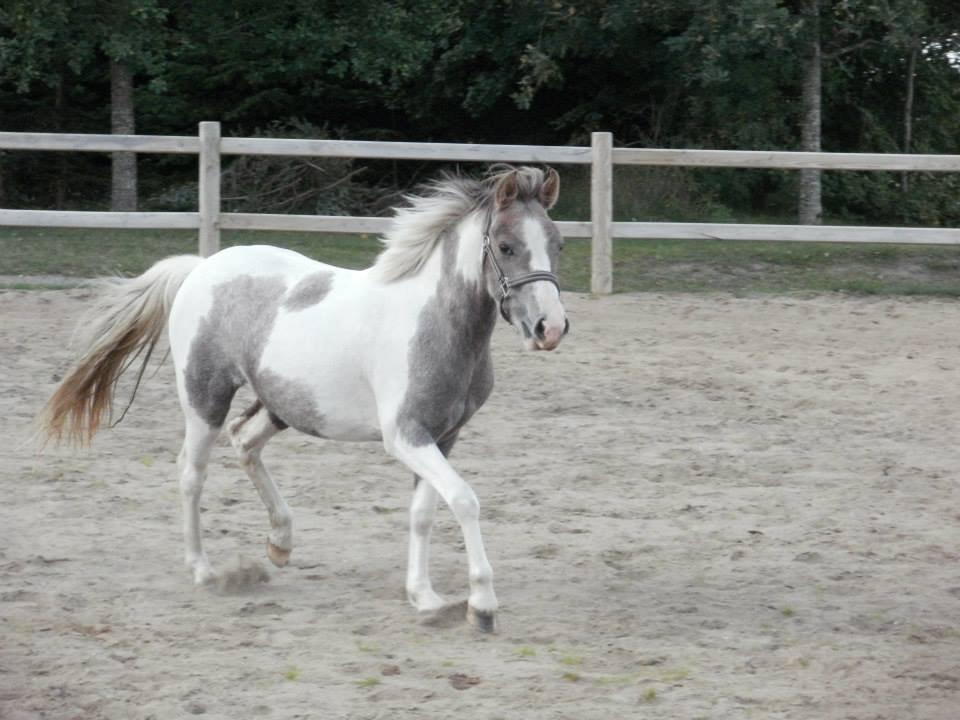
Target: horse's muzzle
547 337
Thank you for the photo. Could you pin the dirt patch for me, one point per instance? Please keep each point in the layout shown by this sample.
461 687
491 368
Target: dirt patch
699 506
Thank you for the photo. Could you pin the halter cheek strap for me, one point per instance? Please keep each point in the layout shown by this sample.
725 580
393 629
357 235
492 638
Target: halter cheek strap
507 284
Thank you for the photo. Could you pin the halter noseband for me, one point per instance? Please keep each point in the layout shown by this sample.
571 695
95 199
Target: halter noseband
503 282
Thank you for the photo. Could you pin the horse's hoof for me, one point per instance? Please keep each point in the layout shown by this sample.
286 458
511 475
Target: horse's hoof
205 576
201 571
482 620
278 556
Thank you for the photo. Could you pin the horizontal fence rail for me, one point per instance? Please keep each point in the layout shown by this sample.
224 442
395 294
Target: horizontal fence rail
758 159
179 144
407 150
790 233
601 156
80 219
228 221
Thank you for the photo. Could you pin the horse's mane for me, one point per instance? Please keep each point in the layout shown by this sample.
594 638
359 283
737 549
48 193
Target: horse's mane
418 228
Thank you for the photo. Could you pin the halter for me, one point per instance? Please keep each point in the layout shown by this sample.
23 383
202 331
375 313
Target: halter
503 282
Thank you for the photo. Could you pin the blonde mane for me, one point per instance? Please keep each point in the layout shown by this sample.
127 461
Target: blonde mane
418 228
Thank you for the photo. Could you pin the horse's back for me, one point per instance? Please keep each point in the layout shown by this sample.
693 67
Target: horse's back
256 260
250 274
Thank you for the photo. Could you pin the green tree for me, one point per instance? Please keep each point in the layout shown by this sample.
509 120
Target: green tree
53 43
900 94
250 63
669 73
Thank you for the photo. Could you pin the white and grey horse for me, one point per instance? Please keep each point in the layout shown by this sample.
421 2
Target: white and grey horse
398 353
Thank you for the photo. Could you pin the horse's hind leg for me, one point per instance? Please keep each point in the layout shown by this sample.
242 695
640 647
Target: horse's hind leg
198 442
423 509
248 434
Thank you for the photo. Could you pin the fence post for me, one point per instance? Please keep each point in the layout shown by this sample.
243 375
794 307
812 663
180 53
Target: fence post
209 201
601 213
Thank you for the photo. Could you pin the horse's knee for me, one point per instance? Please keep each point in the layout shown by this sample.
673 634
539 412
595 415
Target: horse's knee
191 482
235 432
249 433
248 451
248 457
235 425
421 521
465 505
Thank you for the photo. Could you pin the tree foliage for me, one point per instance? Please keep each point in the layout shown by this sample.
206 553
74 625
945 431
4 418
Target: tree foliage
669 73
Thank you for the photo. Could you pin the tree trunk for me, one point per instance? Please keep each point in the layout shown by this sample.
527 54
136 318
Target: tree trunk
123 196
908 114
809 206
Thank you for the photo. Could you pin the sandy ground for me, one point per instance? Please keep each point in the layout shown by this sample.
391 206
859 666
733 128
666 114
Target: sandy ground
698 507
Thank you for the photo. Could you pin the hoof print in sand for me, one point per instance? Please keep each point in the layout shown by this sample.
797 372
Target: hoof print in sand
448 616
246 575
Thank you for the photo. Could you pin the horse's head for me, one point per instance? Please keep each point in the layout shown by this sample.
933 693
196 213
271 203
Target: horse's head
521 252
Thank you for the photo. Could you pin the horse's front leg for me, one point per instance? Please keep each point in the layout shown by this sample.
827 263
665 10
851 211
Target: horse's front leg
429 463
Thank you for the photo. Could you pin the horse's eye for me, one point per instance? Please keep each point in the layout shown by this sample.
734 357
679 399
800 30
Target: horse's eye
506 249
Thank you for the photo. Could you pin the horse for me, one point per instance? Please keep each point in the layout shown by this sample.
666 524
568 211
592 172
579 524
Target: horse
397 353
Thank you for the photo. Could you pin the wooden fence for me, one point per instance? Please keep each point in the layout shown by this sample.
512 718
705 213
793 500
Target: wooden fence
601 156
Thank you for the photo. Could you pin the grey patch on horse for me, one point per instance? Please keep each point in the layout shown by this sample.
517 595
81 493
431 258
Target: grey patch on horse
290 403
450 372
229 342
310 291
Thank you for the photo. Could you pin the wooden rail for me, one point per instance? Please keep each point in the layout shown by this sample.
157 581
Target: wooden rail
181 144
602 157
787 160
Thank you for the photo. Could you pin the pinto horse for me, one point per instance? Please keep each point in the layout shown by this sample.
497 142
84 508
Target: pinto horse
398 353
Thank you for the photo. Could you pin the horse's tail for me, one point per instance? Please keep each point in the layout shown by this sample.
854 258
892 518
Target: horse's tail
125 323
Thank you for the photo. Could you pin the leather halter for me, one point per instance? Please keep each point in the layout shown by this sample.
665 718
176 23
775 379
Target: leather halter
503 282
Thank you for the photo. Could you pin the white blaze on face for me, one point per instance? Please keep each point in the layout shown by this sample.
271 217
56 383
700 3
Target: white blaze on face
546 294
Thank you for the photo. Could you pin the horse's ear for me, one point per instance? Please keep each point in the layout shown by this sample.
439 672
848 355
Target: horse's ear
507 190
550 190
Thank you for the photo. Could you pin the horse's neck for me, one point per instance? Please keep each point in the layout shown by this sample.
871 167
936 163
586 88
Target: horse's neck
461 286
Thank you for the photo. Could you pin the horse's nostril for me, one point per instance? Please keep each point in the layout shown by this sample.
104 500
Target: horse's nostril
540 329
